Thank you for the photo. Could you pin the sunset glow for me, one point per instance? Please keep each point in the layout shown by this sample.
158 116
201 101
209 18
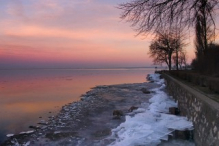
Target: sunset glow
69 34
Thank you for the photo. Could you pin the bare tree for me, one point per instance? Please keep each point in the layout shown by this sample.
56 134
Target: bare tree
159 55
180 38
163 47
204 37
153 15
182 59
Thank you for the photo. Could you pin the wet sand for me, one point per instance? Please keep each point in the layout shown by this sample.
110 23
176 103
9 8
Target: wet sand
87 122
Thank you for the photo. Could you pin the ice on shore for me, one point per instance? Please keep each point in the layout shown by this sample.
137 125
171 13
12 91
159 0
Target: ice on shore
152 124
27 132
27 144
155 78
10 135
161 102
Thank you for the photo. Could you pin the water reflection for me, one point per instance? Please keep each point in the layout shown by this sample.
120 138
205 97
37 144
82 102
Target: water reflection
26 95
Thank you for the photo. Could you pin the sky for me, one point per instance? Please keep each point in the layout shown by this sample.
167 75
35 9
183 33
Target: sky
70 34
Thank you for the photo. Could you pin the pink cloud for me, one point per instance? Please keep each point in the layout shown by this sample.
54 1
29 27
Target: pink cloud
81 31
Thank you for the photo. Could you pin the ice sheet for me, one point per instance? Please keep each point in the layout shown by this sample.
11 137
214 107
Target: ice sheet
10 135
155 78
153 123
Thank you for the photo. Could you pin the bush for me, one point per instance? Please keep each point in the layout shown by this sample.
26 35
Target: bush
213 84
208 63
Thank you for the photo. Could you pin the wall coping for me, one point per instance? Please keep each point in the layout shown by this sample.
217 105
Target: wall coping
213 104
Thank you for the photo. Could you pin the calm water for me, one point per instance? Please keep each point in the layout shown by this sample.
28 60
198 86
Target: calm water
26 95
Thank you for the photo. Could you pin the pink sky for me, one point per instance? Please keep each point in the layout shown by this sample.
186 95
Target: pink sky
63 33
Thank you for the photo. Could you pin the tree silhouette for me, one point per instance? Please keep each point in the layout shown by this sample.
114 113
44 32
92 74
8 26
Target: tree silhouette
182 59
154 15
163 47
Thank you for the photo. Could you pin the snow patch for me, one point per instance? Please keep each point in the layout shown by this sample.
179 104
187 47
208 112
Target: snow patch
27 132
152 123
27 144
155 78
10 135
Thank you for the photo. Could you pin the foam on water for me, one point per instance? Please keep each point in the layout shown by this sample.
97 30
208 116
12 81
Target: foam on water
151 123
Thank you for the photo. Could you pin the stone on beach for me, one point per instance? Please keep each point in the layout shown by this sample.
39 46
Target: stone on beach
117 113
132 108
34 127
174 111
145 91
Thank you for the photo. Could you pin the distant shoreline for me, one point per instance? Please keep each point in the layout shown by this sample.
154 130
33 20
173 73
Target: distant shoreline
113 68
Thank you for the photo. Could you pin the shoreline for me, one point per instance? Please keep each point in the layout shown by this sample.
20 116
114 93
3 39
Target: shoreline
90 121
99 102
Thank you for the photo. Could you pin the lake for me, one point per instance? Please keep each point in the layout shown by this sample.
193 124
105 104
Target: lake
28 96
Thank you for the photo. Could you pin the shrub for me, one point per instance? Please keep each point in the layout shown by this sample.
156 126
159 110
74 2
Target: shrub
208 63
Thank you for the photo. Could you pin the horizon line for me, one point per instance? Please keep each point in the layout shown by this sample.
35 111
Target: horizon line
79 68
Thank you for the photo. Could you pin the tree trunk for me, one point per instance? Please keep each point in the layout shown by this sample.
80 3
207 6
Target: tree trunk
169 59
204 24
177 60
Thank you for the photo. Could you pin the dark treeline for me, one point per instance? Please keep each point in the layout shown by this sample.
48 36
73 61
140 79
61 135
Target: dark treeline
207 52
207 63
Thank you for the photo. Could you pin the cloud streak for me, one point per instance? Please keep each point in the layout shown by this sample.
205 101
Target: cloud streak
68 33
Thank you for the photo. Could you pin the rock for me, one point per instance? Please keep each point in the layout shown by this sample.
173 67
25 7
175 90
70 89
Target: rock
174 111
83 98
116 118
145 91
43 127
117 114
34 127
27 143
132 108
43 122
15 142
56 132
184 135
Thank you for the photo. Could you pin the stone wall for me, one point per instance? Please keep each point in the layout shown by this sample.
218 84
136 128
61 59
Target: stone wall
198 108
